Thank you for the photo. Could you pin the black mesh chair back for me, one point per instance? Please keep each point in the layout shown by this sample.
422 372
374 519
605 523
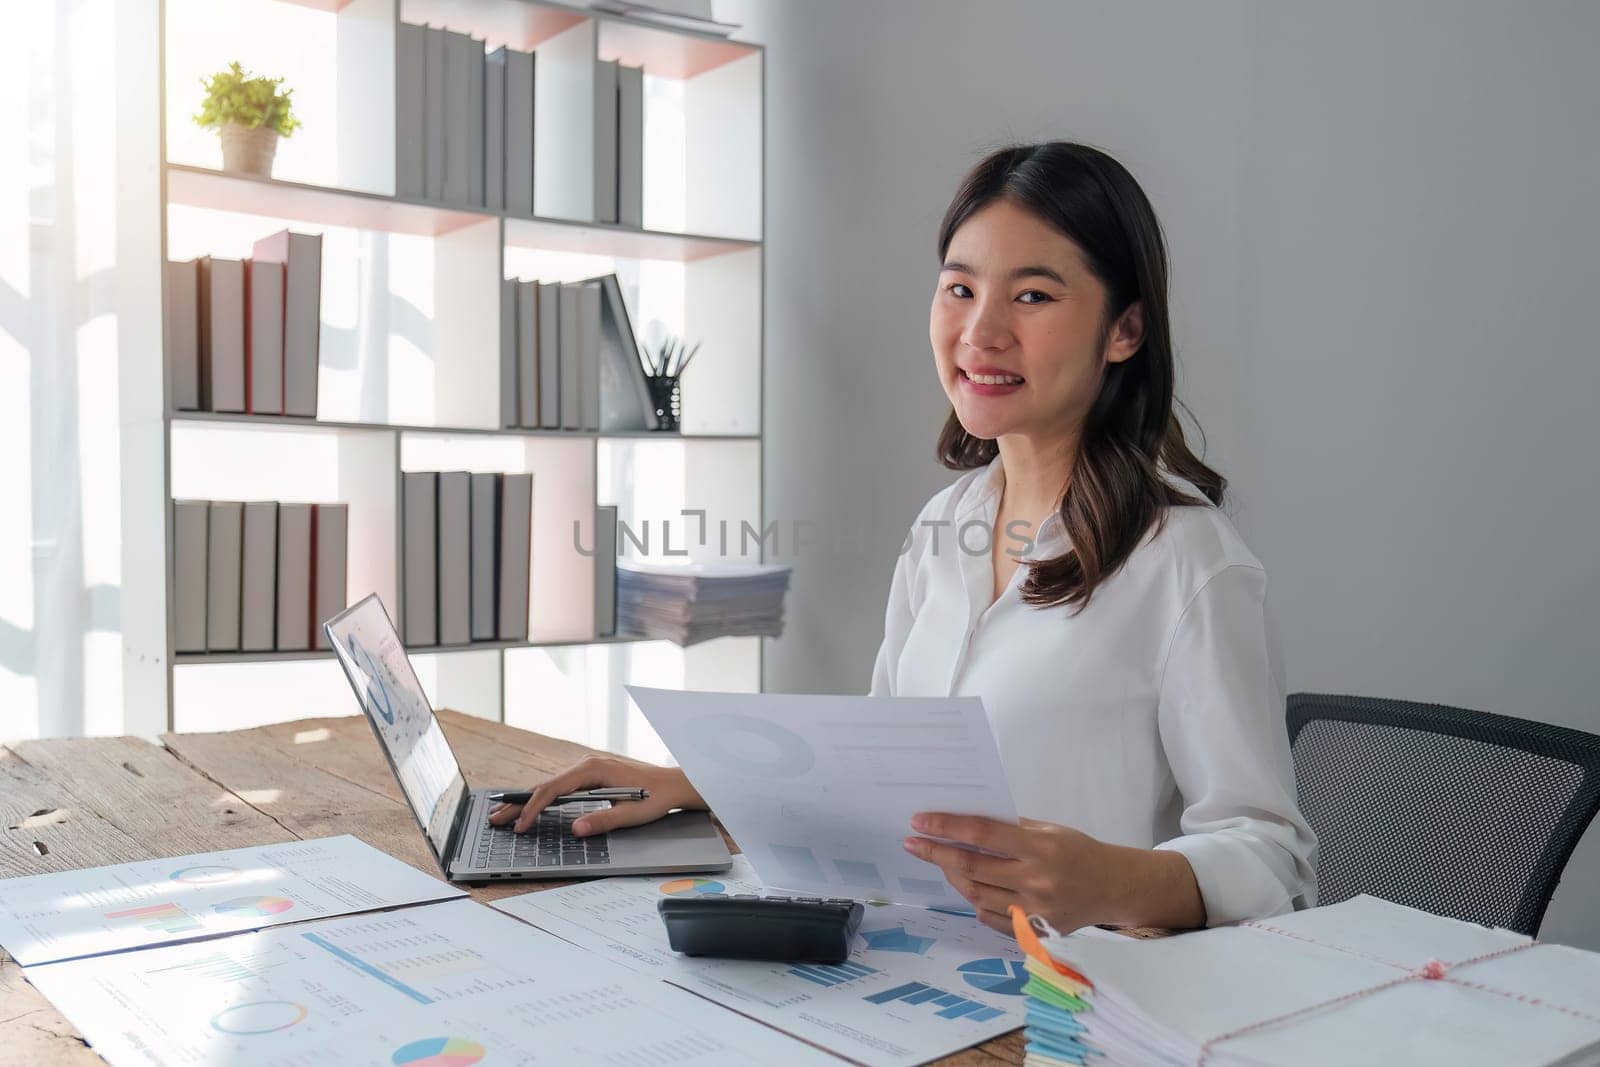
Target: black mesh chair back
1460 813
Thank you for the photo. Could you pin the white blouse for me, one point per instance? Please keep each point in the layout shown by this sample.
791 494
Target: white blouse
1153 718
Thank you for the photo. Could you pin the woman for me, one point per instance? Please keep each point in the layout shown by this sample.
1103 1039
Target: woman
1080 579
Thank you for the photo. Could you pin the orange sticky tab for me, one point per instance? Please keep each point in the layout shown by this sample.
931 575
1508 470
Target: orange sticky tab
1032 946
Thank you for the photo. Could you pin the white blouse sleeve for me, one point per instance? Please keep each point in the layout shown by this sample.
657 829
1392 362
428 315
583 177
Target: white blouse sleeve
1221 719
896 625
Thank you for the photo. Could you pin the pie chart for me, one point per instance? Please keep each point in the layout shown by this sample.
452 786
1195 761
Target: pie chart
438 1052
254 906
995 975
683 886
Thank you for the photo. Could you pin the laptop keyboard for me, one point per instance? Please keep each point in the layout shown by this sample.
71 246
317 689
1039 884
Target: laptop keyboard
549 842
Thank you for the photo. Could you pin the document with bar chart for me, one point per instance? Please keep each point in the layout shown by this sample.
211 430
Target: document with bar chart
819 790
50 917
920 983
453 984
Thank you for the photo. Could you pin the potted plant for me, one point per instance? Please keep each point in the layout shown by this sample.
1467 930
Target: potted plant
249 115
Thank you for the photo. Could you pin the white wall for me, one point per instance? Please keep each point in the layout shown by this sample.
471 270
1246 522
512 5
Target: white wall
1383 234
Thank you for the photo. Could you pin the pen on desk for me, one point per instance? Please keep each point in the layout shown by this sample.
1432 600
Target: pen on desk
520 796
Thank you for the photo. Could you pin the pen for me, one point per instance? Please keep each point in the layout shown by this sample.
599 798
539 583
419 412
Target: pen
520 796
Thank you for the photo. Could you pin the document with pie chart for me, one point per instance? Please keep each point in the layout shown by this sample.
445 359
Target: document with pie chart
819 790
46 918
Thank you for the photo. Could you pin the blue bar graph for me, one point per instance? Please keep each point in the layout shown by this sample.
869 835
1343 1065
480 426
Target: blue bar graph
950 1005
831 975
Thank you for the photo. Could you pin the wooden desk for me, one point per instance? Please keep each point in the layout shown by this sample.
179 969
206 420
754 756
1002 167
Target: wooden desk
85 802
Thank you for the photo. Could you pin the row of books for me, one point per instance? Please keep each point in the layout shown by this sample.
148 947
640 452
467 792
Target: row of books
258 576
465 558
465 119
568 359
242 335
690 603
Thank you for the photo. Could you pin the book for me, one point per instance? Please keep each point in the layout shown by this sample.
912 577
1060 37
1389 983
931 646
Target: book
528 352
571 355
301 256
589 356
410 107
605 140
330 566
476 133
630 146
605 570
625 402
516 543
224 547
433 120
294 577
457 117
189 567
455 558
519 131
182 323
221 334
419 559
485 540
549 355
263 350
510 413
259 578
494 128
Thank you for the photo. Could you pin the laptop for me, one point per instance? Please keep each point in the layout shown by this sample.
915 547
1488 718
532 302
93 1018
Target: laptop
455 819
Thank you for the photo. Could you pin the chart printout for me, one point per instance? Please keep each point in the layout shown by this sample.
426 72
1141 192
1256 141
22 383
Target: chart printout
919 983
453 984
819 790
49 917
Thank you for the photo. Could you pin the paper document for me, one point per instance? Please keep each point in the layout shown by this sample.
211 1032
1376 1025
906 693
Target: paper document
919 983
49 917
454 984
819 790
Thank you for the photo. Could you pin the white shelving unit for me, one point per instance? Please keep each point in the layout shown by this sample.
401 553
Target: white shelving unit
409 378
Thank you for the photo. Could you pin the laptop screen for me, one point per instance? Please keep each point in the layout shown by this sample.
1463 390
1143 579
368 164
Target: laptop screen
375 662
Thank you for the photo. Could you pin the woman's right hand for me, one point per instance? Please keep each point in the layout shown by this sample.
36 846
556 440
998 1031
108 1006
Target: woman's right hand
668 786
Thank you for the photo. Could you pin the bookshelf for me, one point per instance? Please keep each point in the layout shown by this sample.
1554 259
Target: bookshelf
409 375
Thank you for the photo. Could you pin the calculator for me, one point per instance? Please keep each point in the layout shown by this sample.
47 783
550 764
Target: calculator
748 927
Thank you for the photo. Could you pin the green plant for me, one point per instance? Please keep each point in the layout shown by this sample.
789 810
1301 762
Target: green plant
232 96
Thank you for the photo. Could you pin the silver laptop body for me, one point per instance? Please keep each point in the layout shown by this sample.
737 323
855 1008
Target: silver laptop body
454 818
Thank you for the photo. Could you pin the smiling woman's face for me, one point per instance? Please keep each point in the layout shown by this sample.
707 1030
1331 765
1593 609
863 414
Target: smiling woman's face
1016 327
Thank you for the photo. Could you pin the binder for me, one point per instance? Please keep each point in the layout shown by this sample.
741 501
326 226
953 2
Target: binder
258 585
625 402
605 570
630 146
605 140
224 546
589 354
455 558
485 540
190 522
294 577
571 356
330 560
476 122
519 132
516 542
433 113
494 128
183 332
550 355
263 354
528 352
458 139
510 415
420 561
411 94
221 334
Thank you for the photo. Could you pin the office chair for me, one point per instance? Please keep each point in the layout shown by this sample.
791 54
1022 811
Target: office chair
1460 813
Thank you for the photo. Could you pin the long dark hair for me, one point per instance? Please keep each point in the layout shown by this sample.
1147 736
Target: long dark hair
1115 493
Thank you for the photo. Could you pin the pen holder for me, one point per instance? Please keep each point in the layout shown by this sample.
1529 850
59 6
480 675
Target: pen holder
666 398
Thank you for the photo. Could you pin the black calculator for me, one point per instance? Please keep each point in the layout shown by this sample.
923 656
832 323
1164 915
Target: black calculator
748 927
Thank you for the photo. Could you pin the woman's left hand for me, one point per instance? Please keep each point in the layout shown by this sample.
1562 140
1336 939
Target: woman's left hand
1053 871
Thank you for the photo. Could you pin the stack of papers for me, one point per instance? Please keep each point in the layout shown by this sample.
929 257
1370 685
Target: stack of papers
1364 981
693 602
